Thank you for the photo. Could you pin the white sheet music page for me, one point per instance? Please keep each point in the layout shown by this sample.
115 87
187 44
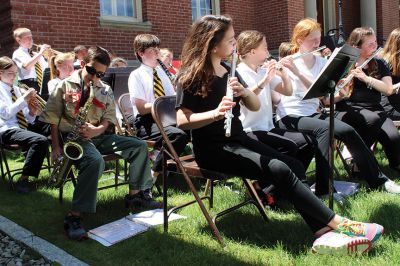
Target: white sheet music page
129 226
152 217
116 231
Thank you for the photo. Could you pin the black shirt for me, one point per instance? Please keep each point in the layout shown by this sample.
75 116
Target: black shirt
393 101
215 131
364 96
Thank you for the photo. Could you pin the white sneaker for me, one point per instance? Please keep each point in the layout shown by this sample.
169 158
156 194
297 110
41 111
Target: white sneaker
333 243
391 187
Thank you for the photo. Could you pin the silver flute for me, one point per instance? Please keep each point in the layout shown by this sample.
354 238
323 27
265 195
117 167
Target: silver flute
229 93
351 76
278 65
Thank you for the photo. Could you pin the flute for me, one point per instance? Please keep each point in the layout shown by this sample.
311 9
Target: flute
278 65
229 93
351 76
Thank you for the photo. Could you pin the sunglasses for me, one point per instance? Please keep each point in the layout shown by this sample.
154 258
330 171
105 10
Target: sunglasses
92 71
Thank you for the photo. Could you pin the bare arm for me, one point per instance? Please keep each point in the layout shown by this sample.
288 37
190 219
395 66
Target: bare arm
143 106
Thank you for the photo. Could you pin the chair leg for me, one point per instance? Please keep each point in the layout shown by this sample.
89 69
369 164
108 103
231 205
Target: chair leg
2 168
116 174
10 177
256 198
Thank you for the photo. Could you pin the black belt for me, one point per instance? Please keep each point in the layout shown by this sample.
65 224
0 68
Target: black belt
29 80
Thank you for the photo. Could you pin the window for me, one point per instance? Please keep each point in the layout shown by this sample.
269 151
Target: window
123 13
123 9
204 7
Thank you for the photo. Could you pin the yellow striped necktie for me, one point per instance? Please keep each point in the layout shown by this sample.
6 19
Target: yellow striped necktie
158 87
20 115
38 70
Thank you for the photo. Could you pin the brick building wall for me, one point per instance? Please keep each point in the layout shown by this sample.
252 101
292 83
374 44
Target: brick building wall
65 24
387 17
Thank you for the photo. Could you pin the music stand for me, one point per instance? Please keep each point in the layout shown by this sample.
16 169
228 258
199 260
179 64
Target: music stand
337 66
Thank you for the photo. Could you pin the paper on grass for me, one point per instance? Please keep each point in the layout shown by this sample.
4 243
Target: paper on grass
116 231
152 217
129 226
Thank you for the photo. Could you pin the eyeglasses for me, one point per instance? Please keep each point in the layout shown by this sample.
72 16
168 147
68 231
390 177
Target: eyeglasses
92 71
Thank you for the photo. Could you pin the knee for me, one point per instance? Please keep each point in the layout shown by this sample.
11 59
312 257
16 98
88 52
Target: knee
279 169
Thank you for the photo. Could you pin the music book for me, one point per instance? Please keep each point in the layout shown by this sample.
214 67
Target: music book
339 63
128 226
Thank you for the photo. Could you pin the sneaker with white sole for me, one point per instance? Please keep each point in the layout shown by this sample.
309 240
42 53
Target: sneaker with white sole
333 243
391 187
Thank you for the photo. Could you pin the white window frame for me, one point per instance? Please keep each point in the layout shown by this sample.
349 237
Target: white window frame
137 4
215 8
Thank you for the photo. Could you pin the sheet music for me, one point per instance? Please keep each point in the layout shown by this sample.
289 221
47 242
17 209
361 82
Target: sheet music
344 55
116 231
129 226
152 217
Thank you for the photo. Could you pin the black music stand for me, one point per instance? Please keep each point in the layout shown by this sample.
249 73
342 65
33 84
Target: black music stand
337 66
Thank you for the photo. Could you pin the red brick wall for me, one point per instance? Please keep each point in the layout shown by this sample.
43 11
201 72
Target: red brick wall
277 18
350 15
387 17
65 24
6 39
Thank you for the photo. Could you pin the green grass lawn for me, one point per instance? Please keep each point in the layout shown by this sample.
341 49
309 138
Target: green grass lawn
284 240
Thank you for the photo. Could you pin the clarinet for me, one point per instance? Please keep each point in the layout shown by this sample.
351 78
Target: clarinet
166 70
229 93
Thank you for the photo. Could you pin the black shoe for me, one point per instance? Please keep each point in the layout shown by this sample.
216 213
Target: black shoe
22 186
140 200
74 229
147 195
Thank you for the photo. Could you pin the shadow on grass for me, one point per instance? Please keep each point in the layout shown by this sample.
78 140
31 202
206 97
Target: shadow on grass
380 215
250 228
41 213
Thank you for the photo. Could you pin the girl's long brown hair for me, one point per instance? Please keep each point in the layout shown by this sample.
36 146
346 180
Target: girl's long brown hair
391 52
204 35
357 38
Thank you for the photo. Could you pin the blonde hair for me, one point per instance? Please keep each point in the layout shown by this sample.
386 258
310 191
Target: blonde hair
20 32
6 63
168 50
57 61
248 40
302 29
285 49
391 51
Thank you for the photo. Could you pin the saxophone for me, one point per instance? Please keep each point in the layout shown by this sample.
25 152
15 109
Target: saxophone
72 151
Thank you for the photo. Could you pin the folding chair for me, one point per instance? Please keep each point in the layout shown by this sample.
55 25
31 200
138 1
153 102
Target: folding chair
5 168
126 108
164 114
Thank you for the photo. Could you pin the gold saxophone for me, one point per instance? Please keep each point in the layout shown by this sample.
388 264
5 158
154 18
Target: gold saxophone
72 151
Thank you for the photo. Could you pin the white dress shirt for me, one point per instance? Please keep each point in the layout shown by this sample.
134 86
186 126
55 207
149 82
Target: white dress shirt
260 120
140 84
295 105
20 57
9 109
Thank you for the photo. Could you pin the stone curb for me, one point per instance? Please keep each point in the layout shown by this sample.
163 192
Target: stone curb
46 249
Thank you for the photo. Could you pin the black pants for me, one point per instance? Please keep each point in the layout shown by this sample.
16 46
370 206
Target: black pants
150 131
34 146
373 124
293 143
254 160
318 125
